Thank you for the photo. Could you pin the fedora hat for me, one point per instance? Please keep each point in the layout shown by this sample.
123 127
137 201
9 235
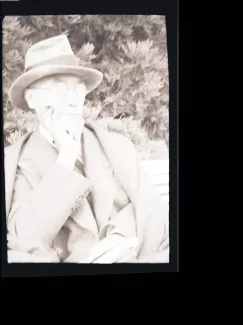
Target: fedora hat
49 57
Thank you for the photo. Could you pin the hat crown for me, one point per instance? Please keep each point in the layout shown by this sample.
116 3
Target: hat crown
49 57
48 50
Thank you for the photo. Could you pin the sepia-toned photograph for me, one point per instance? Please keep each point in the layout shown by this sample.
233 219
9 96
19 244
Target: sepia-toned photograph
86 138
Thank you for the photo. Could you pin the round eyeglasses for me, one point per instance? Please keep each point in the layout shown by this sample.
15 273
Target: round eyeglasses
61 89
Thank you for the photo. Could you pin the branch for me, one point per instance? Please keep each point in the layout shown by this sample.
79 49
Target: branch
59 24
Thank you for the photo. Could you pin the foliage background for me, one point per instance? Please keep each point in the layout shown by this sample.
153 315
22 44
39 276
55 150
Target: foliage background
130 50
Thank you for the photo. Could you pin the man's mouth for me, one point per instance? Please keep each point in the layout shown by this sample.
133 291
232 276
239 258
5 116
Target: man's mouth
72 114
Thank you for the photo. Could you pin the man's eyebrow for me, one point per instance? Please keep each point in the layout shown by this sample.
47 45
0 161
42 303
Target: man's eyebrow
53 80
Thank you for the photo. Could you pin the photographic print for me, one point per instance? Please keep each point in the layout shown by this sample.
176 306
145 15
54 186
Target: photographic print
86 138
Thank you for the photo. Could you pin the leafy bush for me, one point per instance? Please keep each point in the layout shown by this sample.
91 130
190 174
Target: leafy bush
130 51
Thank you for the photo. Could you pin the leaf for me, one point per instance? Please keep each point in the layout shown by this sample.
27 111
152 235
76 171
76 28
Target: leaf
14 137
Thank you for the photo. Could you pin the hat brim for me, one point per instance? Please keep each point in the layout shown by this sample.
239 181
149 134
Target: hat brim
91 77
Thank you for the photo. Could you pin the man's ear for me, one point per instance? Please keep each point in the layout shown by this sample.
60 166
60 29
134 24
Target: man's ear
28 98
85 88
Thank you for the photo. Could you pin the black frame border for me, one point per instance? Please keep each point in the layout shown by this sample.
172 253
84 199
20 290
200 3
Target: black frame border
170 10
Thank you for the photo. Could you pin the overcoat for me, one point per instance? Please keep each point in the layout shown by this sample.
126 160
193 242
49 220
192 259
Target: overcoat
39 207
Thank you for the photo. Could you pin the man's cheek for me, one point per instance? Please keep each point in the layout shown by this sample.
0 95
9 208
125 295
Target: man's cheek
40 112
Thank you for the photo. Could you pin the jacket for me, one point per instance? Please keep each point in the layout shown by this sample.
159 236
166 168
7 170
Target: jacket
144 215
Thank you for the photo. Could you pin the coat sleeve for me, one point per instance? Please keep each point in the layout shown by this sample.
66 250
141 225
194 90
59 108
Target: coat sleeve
146 216
152 222
36 215
152 231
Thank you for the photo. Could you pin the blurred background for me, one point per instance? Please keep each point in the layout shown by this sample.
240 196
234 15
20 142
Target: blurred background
131 52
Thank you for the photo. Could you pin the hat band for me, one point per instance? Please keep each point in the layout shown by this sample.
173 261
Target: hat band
58 60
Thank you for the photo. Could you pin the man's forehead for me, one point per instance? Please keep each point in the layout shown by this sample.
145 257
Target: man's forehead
58 78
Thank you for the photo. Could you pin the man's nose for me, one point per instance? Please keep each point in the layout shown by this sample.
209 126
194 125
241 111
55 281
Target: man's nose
72 97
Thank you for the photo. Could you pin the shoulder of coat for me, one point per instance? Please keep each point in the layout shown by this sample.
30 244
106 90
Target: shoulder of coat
15 146
9 148
113 137
119 138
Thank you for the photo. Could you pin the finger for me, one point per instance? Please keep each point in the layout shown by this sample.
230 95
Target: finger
128 257
81 123
61 123
50 110
79 130
47 120
48 114
70 128
51 114
77 136
55 115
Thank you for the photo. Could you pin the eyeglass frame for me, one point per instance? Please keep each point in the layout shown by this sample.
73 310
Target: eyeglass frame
59 83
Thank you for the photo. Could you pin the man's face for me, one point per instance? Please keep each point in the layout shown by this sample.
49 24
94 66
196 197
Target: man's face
64 94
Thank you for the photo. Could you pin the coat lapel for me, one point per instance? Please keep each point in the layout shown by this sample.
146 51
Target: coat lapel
126 166
37 158
122 158
11 157
98 170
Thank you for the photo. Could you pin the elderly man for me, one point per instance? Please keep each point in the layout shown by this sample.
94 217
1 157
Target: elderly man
75 193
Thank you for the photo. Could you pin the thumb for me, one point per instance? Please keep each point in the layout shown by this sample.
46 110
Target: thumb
56 115
79 129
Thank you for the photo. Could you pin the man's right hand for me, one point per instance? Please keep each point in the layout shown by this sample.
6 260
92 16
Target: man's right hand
66 134
64 131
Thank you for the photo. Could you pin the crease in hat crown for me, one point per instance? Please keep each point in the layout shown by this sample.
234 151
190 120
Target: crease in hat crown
57 46
49 57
